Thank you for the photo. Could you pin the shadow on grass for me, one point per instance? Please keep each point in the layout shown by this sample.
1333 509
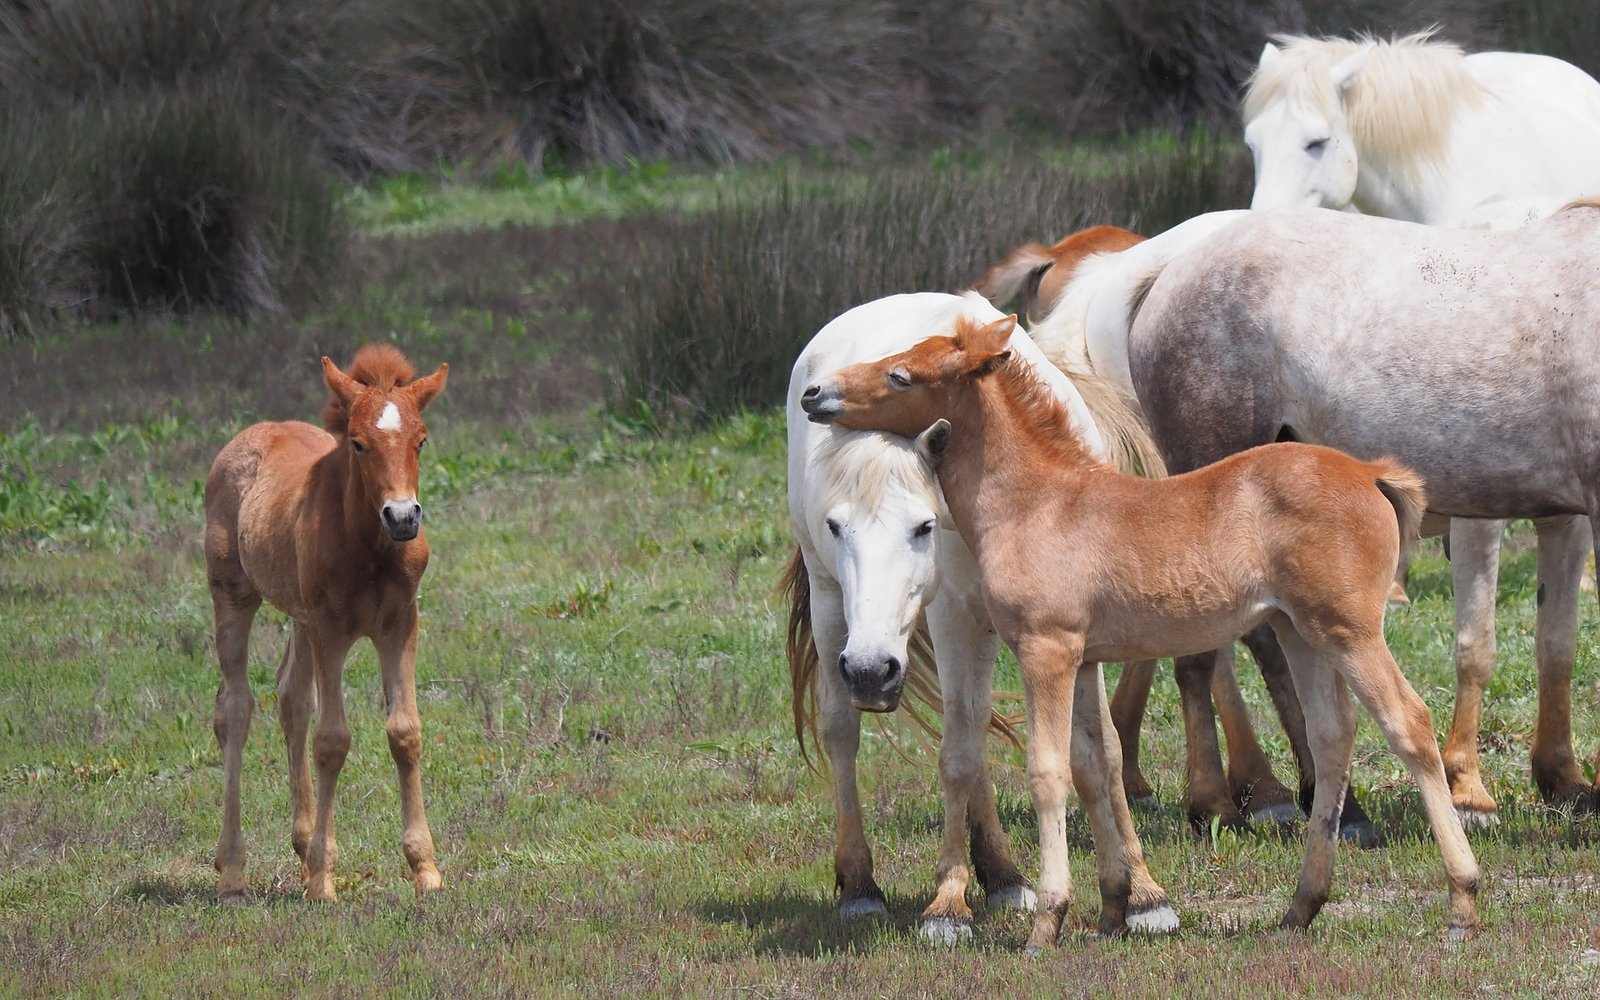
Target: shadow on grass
791 923
190 892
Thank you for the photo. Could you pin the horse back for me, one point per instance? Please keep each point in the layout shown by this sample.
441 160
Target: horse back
258 486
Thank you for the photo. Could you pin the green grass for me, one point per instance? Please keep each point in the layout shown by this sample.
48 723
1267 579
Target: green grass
610 777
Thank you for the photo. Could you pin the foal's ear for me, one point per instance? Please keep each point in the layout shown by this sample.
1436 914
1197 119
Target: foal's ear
931 442
344 388
424 389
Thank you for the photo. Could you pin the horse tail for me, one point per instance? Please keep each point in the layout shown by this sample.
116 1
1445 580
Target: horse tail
1026 263
921 685
1406 493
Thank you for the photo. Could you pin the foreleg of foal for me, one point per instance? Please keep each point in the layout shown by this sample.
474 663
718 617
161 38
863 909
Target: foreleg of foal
1474 574
1050 662
329 747
1563 547
1128 704
397 660
1130 898
965 647
840 726
234 611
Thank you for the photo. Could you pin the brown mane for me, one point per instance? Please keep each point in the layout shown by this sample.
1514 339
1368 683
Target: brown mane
381 366
1042 411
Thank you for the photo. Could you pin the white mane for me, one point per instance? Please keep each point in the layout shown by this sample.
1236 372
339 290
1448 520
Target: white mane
867 467
1399 106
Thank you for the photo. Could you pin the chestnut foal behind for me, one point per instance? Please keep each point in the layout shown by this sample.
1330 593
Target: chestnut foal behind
325 526
1081 564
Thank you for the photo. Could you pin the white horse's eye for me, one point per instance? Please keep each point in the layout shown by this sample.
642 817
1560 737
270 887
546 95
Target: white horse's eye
833 527
1316 145
922 530
898 379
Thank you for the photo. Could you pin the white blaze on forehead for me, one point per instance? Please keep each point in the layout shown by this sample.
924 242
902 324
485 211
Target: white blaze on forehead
389 419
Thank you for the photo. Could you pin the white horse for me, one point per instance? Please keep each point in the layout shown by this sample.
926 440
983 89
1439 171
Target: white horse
1413 129
875 555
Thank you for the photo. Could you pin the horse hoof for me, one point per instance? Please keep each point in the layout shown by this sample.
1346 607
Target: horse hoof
1013 897
1477 819
1147 801
863 908
1276 814
1361 834
1154 920
233 897
1460 933
428 880
945 932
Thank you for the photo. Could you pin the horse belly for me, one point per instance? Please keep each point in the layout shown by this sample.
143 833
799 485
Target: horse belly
1148 633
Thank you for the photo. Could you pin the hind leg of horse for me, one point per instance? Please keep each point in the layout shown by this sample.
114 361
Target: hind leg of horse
1408 727
1205 785
1330 731
397 658
1128 704
1563 548
329 746
1255 789
297 700
1474 573
1130 898
234 605
1354 824
1050 663
1397 589
840 728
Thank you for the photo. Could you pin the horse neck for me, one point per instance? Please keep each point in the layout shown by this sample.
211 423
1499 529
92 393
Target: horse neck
1011 442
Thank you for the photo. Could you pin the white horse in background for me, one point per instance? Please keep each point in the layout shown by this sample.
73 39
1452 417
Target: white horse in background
1413 129
875 556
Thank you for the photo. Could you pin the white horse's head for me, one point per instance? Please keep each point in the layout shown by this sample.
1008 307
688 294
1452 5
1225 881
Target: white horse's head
878 522
1297 131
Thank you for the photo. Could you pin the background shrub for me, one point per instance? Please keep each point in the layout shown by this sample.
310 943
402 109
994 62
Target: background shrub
43 269
719 328
193 202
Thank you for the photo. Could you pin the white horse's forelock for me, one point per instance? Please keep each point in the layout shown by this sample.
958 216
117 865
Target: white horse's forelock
1398 107
867 467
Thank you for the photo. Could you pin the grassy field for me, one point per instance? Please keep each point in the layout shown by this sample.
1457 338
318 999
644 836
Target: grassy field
617 800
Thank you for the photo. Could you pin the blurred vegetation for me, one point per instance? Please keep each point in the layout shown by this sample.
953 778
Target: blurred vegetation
169 155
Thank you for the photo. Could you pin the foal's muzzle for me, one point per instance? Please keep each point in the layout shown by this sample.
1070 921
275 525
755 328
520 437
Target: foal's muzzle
821 403
874 682
402 519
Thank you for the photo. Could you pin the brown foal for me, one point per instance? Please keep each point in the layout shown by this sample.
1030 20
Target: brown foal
325 526
1081 564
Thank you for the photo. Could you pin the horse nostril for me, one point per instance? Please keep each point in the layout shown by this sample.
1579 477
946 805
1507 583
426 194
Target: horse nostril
844 671
891 667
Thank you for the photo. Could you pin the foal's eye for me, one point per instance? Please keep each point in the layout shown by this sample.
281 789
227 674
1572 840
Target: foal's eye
898 379
1316 145
922 530
833 527
357 446
421 443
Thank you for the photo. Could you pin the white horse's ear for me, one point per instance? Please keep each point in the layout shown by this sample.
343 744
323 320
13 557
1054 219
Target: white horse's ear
1269 55
1348 68
931 442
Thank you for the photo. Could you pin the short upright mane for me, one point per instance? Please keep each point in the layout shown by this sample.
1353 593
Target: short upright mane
1042 410
1398 107
381 366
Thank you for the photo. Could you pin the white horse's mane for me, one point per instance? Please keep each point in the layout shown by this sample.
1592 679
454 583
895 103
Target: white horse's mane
1062 334
866 466
1398 107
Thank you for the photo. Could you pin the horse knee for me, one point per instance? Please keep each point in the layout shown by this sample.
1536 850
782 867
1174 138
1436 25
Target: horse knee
405 737
331 746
